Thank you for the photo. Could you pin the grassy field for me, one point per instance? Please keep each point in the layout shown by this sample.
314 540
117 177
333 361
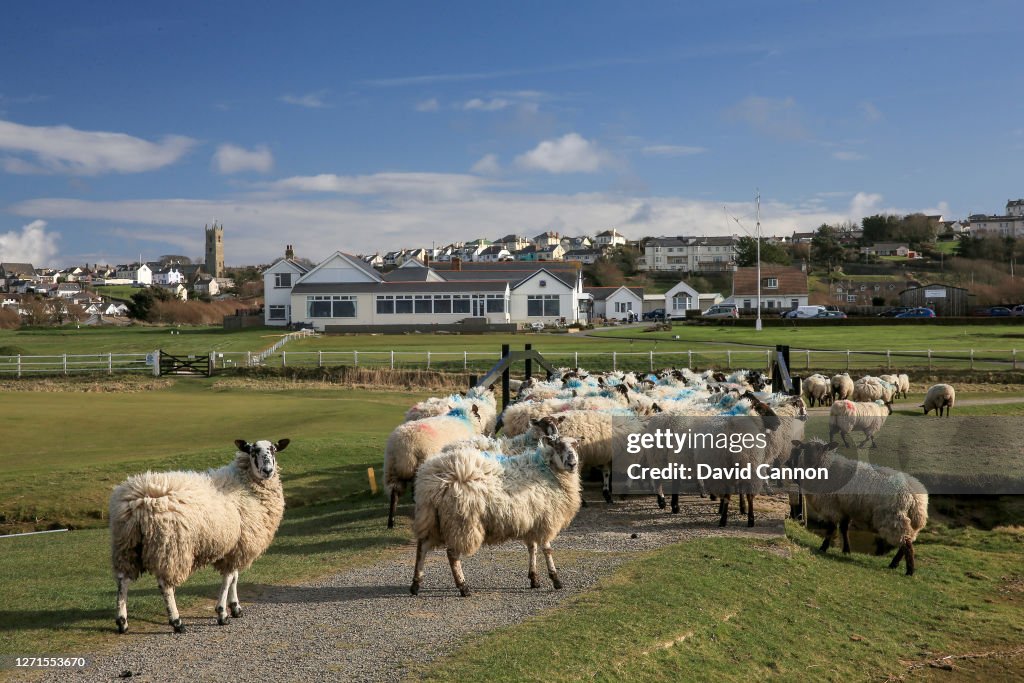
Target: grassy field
120 292
744 606
133 339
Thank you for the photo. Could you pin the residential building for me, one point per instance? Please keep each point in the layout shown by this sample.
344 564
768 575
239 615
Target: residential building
609 239
616 303
168 275
782 288
576 243
1011 224
131 274
493 254
205 284
889 249
680 300
689 254
863 293
547 239
13 272
584 256
551 252
513 242
278 281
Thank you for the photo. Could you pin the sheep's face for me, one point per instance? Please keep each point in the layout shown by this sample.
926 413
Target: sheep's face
809 453
262 460
562 453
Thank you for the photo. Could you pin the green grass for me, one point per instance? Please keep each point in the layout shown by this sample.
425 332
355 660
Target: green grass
119 292
739 609
137 339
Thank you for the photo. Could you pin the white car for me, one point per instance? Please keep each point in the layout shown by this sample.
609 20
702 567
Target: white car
537 326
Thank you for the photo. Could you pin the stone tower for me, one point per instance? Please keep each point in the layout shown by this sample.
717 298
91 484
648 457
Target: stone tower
215 250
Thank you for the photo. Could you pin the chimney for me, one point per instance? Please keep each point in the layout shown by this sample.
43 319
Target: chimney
426 258
456 263
289 253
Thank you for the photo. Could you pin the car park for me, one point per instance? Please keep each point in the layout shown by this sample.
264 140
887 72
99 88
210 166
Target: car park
917 313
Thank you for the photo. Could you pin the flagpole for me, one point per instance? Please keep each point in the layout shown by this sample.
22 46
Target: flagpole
757 325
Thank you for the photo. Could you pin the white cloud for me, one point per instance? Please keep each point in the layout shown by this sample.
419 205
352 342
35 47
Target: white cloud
32 245
775 116
428 105
848 156
672 150
865 204
570 153
313 100
417 184
870 112
62 149
232 159
487 165
494 104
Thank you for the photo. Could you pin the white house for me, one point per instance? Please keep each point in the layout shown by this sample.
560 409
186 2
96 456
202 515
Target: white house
609 239
782 288
547 239
616 303
132 273
278 281
680 300
170 275
689 254
493 254
585 256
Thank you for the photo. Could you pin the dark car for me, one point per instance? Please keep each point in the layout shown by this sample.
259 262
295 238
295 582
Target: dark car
893 312
656 314
837 315
1000 312
917 313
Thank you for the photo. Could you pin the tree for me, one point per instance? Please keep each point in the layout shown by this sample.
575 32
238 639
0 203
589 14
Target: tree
625 258
825 247
880 228
604 273
140 306
771 252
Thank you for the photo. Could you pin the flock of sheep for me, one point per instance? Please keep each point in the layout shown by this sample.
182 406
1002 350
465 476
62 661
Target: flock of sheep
473 487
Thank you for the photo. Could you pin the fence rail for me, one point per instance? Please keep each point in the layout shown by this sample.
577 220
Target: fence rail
801 361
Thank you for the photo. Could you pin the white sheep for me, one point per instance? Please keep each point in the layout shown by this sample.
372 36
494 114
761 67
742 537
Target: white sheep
904 384
171 524
866 417
413 442
842 387
939 397
465 499
873 389
817 388
890 503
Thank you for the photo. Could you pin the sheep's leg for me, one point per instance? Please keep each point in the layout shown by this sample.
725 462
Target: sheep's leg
829 532
236 609
173 618
723 510
122 602
750 509
394 506
417 571
552 570
222 601
743 504
899 556
910 558
660 492
583 501
844 529
460 579
534 581
675 503
606 489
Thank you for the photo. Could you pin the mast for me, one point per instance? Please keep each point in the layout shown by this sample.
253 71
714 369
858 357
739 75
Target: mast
757 233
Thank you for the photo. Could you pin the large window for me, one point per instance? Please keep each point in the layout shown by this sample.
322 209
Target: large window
495 303
278 312
331 306
424 304
385 304
681 302
403 304
442 303
460 303
282 280
538 305
623 306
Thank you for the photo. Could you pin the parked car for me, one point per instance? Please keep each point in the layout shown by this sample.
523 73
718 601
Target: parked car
805 312
917 313
537 326
1000 312
894 311
1018 311
722 311
839 315
656 314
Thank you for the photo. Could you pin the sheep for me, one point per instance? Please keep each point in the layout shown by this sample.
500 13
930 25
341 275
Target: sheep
939 397
873 389
890 503
867 417
904 384
465 499
842 387
413 442
817 388
171 524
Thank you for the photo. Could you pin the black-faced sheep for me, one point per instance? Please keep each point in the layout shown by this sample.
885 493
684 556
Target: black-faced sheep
466 498
171 524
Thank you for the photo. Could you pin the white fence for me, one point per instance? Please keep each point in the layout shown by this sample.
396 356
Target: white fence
728 358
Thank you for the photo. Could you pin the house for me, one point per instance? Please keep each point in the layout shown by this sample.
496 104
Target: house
889 249
782 288
574 243
616 303
374 260
609 239
802 237
393 258
66 290
278 281
168 275
680 300
341 293
205 284
689 254
862 292
547 239
512 242
552 252
13 272
115 308
47 276
131 274
1011 224
493 254
585 256
178 291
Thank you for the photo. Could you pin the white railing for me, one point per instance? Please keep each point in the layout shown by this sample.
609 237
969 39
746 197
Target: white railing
67 364
258 358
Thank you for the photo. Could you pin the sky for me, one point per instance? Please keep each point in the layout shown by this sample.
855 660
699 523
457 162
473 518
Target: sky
127 127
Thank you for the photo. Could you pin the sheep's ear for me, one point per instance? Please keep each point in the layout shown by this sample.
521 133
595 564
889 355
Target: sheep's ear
559 419
283 444
656 408
242 445
798 442
548 440
476 410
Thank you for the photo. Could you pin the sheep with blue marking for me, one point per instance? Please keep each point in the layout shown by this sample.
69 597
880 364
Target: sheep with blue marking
172 524
466 498
413 442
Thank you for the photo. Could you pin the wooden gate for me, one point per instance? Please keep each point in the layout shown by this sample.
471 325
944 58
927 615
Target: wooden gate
192 364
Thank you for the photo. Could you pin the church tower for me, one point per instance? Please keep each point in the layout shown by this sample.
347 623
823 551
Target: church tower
215 250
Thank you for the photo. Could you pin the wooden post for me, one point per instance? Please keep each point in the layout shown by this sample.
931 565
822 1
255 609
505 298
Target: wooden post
465 360
392 360
614 361
319 359
19 363
355 359
807 366
888 359
651 364
65 363
972 359
929 359
847 360
428 360
110 363
284 359
1015 359
728 359
505 377
576 359
472 381
373 480
528 363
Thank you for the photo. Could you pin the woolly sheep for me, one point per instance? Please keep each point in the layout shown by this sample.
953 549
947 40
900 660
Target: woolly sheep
172 523
892 504
904 384
873 389
817 388
465 499
866 417
939 397
413 442
842 387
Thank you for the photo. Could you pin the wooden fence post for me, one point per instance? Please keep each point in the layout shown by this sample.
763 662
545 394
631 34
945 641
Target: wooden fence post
355 358
651 364
929 359
728 359
528 363
392 359
284 359
505 377
110 363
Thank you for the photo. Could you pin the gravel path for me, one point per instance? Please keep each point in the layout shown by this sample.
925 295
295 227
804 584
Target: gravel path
362 625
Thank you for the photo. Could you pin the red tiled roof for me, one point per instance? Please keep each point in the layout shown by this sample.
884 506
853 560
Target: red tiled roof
791 280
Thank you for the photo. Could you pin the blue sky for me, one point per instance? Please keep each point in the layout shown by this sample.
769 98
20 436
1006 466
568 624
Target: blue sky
125 127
